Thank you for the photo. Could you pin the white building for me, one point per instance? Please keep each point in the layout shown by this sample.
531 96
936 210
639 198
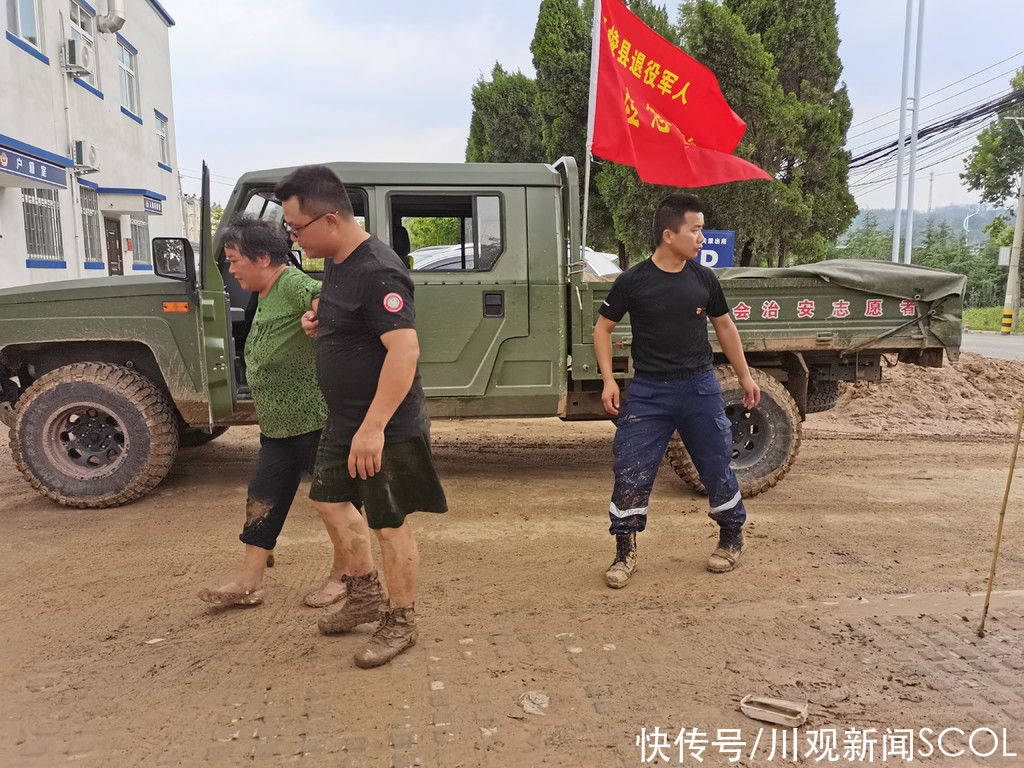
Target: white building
88 170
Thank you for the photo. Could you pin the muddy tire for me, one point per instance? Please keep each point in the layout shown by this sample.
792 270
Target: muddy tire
822 395
189 437
765 441
92 435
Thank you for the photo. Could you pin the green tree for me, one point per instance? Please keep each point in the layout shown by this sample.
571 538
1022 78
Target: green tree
803 38
506 125
1000 232
946 249
866 242
561 56
425 231
768 216
216 214
990 290
993 167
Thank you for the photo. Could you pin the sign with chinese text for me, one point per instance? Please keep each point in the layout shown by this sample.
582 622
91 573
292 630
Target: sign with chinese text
810 309
26 167
718 249
152 206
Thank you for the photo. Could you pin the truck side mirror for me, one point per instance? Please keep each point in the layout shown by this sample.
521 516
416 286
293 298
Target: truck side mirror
173 257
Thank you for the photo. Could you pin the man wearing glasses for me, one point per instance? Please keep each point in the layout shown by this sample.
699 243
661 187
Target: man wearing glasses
375 451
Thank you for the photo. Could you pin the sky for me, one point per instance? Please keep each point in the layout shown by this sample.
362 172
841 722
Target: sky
260 84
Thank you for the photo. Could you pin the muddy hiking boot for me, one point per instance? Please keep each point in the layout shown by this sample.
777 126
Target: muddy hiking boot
395 632
618 573
365 602
727 554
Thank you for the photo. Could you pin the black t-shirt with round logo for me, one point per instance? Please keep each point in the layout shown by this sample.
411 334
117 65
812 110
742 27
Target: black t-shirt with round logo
367 295
668 313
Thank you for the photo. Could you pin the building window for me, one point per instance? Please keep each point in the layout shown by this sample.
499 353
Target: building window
81 23
42 224
161 137
23 20
140 241
129 86
91 224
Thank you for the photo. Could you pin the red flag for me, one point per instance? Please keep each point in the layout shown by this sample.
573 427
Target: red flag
662 111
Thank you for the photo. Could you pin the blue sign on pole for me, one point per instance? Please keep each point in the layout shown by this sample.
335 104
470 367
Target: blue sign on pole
31 168
719 246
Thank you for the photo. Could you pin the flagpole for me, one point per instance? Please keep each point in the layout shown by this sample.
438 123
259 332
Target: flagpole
595 54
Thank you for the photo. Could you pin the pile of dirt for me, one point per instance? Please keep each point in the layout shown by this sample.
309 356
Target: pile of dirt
976 396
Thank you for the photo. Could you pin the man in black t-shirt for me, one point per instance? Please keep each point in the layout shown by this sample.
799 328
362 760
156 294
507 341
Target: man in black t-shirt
670 298
375 450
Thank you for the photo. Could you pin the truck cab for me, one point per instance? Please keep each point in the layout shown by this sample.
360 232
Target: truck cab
495 258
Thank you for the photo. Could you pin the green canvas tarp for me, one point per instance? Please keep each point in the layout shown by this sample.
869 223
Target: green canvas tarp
880 278
904 281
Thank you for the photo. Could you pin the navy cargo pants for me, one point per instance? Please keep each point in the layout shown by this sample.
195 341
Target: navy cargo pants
652 411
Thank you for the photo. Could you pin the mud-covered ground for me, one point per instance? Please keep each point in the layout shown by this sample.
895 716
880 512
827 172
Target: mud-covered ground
860 593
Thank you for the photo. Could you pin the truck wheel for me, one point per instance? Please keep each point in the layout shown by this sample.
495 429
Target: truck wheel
92 435
822 395
765 441
189 437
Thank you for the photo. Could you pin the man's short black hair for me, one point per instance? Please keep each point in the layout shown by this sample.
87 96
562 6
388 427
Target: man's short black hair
318 189
253 238
671 213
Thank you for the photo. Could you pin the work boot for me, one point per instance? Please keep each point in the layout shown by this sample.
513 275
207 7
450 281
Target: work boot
618 573
395 632
730 545
365 602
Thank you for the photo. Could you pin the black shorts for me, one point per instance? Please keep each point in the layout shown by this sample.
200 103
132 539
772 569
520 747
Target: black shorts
407 482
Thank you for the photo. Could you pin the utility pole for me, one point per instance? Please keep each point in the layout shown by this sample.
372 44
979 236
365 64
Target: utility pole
903 134
908 241
931 185
1011 305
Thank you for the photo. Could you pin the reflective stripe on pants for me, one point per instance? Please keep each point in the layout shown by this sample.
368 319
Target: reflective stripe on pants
651 412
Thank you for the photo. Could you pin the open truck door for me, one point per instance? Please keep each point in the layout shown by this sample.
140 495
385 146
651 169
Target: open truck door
216 330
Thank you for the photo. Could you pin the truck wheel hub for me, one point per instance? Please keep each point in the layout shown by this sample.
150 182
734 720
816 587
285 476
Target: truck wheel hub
86 440
751 435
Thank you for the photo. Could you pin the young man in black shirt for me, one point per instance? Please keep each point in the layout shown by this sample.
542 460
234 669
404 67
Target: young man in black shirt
375 450
670 298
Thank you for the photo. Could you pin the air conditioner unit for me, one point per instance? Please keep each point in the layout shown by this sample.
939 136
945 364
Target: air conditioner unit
85 156
79 60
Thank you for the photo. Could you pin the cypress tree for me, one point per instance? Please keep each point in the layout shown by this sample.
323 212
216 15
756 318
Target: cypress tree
803 38
506 126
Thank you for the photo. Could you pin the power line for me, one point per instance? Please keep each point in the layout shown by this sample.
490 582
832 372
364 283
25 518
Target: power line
197 172
885 126
986 109
871 186
950 85
958 134
968 130
212 181
959 149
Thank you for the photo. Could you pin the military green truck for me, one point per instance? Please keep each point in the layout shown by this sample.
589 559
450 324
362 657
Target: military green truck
102 379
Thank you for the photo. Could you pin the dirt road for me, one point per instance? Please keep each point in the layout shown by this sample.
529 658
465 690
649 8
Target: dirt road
854 595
